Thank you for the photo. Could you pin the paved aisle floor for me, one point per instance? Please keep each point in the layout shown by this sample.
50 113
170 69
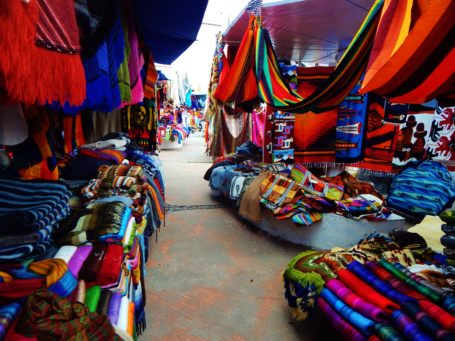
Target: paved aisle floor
210 276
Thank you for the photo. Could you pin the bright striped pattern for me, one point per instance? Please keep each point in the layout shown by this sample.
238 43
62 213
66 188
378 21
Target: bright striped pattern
413 57
274 91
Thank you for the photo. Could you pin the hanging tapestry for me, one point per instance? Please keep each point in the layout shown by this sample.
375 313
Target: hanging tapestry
314 134
140 122
440 144
258 127
395 113
283 137
380 137
411 138
352 114
413 57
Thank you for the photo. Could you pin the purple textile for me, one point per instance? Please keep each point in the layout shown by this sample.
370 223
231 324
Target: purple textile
357 303
78 259
114 308
408 327
344 328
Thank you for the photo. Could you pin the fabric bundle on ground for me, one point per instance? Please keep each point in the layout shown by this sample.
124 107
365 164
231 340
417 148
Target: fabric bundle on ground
48 314
277 191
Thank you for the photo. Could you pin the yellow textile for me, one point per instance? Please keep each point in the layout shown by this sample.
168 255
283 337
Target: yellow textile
53 269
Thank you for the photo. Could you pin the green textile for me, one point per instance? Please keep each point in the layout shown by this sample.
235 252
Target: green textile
315 274
409 281
92 298
387 333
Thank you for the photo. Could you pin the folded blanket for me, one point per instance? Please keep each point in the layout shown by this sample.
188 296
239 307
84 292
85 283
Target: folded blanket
92 298
123 314
366 292
110 267
103 304
344 328
431 326
19 288
131 324
65 285
387 332
408 327
66 252
438 314
8 314
360 322
433 296
356 302
382 287
89 270
114 308
52 269
77 261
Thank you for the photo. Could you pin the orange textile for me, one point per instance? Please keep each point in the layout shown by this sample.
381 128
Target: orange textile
415 63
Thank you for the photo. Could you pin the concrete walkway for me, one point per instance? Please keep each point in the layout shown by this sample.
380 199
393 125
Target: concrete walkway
211 276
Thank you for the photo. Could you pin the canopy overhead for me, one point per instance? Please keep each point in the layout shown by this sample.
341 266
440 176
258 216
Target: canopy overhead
307 31
169 27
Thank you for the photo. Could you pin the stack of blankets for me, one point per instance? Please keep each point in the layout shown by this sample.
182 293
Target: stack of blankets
79 258
29 215
378 290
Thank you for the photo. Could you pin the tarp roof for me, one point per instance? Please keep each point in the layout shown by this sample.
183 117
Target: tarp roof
310 31
169 27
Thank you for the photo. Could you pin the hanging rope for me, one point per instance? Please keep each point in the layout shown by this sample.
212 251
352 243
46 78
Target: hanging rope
254 7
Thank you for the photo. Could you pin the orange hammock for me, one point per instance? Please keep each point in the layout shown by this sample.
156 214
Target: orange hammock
413 57
255 71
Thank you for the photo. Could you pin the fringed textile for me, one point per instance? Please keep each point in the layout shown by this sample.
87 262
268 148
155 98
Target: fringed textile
40 44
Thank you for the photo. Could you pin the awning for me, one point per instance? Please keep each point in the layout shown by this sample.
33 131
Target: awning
169 27
310 31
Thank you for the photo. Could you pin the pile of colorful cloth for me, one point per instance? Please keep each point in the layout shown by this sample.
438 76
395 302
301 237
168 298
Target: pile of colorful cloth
173 132
29 215
384 288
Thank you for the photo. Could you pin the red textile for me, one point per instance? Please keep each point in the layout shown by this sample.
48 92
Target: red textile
20 287
56 76
438 314
109 271
12 335
366 292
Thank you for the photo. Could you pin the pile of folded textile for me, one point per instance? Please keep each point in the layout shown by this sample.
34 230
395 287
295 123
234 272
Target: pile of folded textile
79 256
448 239
29 215
173 132
384 288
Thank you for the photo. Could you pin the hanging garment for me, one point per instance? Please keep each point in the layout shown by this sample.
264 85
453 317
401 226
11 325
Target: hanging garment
350 130
380 138
140 121
40 44
413 57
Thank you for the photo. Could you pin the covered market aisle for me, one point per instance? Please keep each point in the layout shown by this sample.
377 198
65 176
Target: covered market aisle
213 277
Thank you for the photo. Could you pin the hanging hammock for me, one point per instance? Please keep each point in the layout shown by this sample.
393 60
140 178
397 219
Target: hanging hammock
256 51
413 57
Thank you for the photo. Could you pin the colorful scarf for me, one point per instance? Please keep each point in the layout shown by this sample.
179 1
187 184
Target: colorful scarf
366 292
344 328
354 301
48 314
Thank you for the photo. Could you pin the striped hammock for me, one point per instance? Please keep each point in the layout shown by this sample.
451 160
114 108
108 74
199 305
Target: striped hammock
266 82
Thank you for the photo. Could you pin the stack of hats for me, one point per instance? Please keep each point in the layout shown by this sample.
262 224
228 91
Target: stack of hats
448 239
